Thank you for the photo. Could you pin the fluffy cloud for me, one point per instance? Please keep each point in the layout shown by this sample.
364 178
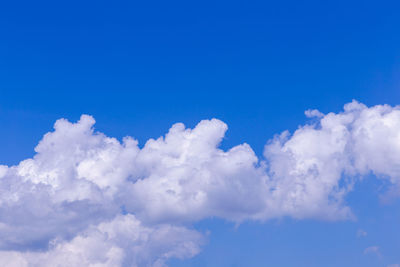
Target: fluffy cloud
88 198
124 241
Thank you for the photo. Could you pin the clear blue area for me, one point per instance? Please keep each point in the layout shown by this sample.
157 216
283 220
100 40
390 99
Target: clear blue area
140 66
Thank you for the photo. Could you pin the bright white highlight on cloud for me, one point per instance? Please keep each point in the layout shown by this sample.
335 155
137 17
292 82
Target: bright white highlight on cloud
87 199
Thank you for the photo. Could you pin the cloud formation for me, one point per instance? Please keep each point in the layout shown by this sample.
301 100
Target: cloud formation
88 198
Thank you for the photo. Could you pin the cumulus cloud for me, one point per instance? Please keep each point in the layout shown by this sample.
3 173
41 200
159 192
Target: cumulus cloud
124 241
88 198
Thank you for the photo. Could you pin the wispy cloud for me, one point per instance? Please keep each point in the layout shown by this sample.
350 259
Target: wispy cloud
361 233
372 250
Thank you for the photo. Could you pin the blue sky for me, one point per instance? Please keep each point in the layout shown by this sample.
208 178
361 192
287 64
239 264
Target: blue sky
138 68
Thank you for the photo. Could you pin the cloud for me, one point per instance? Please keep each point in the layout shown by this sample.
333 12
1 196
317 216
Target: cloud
90 198
311 113
361 233
372 250
124 241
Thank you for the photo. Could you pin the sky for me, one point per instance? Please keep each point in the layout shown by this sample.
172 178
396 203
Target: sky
212 133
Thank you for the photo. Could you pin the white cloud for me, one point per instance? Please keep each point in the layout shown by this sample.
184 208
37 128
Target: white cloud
313 113
83 189
124 241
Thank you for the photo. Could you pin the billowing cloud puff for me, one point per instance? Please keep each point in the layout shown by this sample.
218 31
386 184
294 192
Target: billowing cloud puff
124 241
88 199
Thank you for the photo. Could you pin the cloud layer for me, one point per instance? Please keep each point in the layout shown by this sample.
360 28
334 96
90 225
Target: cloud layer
86 198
